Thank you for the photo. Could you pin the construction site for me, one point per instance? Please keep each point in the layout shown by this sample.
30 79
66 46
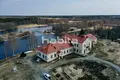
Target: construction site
84 70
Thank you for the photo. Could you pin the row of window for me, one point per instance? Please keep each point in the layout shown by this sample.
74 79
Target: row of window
65 51
76 45
42 55
54 55
76 50
87 45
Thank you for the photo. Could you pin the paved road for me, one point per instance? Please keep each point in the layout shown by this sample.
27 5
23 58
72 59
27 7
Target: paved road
41 69
90 58
105 62
38 69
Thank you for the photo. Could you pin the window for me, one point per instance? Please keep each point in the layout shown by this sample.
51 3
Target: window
77 45
39 54
74 44
74 49
64 52
54 55
43 56
84 51
77 50
51 56
67 51
84 46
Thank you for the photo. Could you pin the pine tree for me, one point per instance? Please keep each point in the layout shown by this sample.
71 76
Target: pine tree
82 32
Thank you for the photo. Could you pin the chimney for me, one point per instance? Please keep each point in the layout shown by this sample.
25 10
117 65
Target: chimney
82 36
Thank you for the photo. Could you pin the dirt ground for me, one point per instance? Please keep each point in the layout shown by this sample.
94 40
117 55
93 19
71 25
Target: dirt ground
84 70
113 51
108 50
22 72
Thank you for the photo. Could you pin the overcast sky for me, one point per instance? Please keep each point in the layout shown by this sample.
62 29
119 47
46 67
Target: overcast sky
59 7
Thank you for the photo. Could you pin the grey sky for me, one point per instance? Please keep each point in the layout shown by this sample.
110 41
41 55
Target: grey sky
59 7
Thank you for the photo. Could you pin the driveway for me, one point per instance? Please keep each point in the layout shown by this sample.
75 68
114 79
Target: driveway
89 58
40 69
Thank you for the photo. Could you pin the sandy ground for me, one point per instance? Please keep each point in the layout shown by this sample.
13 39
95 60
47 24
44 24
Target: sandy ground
23 72
111 51
30 25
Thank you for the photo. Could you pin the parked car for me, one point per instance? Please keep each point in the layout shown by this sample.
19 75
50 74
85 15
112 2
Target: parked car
47 76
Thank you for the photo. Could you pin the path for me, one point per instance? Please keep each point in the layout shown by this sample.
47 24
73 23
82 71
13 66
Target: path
40 69
90 58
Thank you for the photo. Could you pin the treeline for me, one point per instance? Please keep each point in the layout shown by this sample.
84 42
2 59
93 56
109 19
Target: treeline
31 20
18 21
8 26
58 29
112 34
76 16
44 20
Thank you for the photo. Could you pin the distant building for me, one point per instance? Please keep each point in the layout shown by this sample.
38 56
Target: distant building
72 28
82 46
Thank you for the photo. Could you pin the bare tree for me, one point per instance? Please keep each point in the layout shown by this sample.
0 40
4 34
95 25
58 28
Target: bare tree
13 42
6 47
5 52
32 41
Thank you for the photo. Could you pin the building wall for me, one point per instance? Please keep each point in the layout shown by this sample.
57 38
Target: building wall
93 41
51 56
78 48
65 52
86 46
41 55
62 53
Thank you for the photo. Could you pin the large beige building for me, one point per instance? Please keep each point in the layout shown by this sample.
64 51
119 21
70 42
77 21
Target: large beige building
81 46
